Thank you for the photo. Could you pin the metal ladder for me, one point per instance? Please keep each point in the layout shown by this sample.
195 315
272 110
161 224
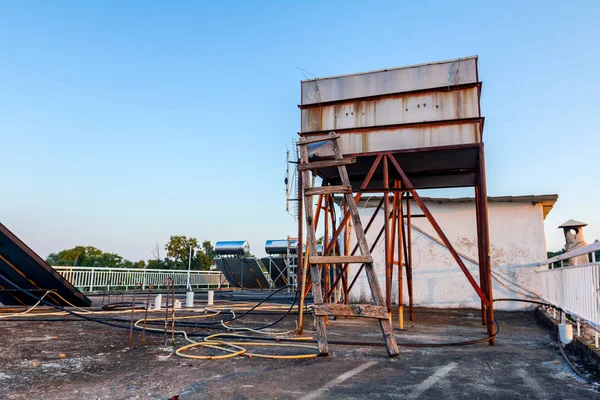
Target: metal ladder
376 310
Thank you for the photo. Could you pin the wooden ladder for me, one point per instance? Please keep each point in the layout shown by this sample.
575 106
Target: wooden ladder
376 310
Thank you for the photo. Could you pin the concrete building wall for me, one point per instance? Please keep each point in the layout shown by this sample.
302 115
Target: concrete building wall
516 235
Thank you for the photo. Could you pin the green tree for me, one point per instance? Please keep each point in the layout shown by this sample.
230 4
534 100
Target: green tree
155 264
77 256
204 261
551 254
53 259
178 250
106 260
208 249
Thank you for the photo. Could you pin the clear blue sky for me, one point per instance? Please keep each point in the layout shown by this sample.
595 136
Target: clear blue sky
122 123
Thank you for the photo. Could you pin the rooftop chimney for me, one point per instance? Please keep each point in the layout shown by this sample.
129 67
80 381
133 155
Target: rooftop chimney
574 239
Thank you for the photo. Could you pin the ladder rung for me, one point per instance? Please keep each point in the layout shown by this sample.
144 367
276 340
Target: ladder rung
352 310
327 190
340 259
325 164
317 139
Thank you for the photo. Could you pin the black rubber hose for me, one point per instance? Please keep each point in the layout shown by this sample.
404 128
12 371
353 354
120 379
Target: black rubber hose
60 307
123 306
104 321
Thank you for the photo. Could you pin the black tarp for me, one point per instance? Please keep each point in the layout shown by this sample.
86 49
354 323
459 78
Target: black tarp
29 271
243 272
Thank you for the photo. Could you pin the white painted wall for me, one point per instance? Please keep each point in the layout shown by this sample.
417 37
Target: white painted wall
516 235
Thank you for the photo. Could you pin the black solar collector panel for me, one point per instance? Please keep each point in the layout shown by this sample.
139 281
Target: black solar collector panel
243 272
26 269
278 269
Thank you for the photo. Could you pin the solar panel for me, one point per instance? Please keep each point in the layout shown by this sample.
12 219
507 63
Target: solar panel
29 271
243 272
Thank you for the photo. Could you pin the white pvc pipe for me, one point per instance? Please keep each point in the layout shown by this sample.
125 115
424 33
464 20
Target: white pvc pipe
189 299
566 333
211 297
157 302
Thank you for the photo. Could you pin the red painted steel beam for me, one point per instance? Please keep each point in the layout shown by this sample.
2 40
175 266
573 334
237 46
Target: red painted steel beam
365 183
440 232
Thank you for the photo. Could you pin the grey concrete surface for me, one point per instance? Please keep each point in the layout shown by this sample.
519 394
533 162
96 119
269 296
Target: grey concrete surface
525 363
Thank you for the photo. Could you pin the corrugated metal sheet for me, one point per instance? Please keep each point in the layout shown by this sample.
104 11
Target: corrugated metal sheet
401 109
401 138
405 79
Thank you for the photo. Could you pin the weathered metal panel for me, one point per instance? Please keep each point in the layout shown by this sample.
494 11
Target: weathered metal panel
401 138
243 272
405 79
400 109
27 270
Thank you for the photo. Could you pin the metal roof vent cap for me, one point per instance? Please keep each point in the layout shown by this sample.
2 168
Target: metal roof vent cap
574 239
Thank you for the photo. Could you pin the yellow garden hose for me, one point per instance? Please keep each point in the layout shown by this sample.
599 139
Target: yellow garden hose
213 345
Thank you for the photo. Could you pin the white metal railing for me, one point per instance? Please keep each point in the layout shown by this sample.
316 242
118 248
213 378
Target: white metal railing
575 289
90 279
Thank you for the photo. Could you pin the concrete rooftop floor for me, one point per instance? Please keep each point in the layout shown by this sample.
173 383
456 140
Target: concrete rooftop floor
525 363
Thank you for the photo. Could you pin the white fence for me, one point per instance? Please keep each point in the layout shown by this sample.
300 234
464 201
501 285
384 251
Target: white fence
574 288
90 279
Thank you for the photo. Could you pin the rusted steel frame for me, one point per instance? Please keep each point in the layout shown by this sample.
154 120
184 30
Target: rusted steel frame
309 284
346 218
480 251
371 249
386 224
318 209
377 297
345 267
146 313
404 125
325 243
400 236
301 276
392 242
440 232
384 190
405 250
411 93
336 247
486 243
409 264
343 273
363 265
